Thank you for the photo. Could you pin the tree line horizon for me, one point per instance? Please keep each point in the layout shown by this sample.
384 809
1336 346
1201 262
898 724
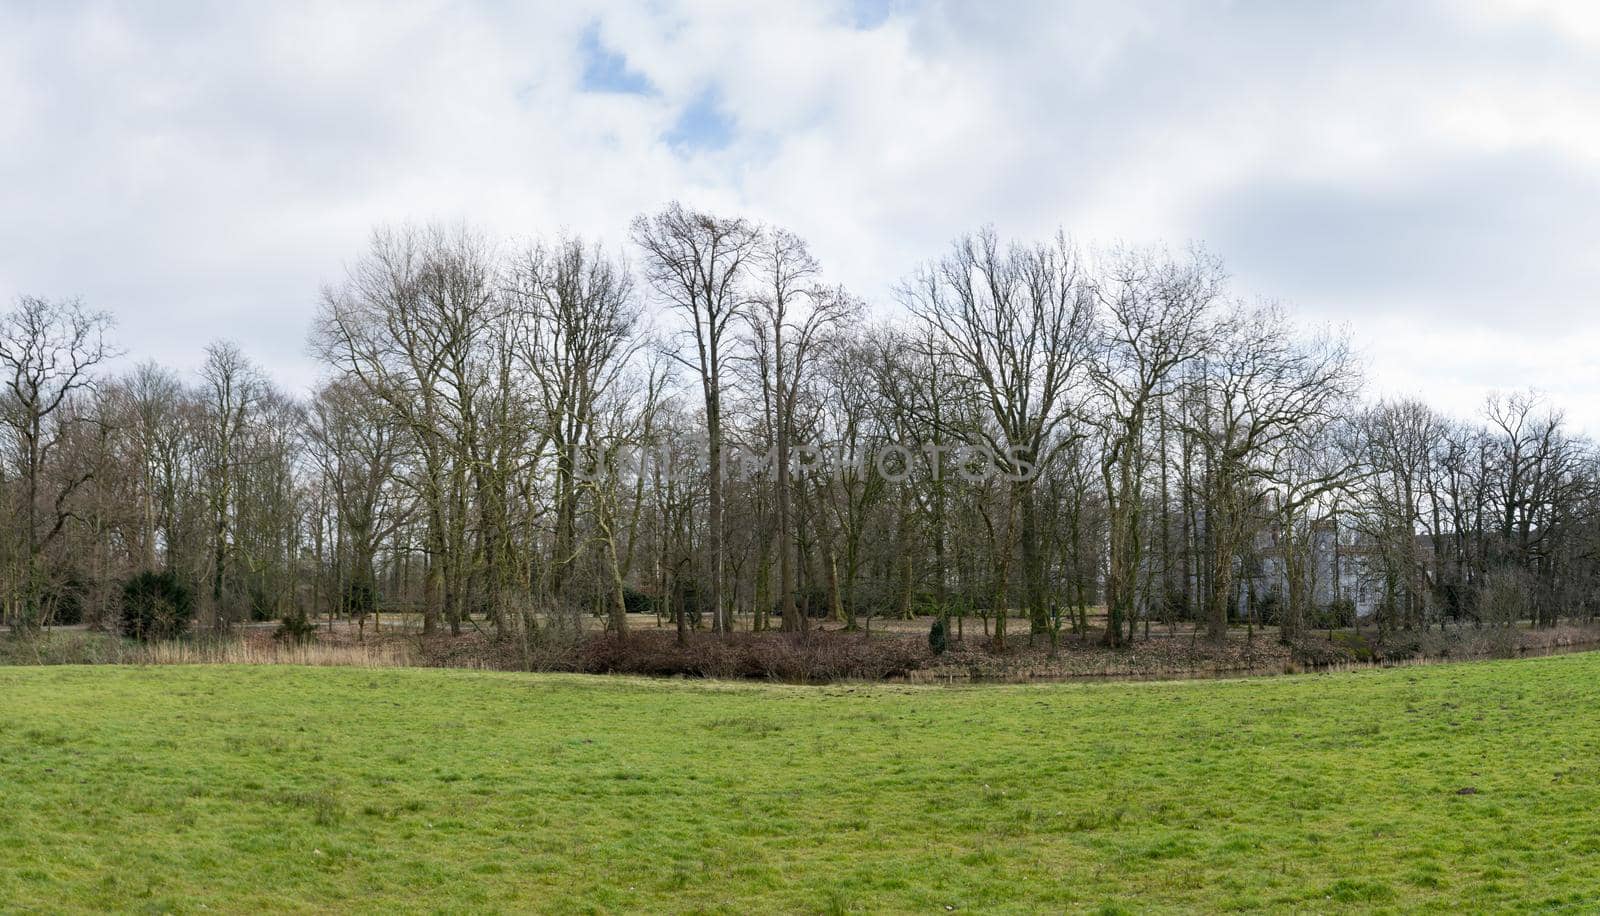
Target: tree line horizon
1147 436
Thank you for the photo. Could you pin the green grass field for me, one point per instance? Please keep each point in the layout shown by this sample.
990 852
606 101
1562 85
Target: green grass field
241 788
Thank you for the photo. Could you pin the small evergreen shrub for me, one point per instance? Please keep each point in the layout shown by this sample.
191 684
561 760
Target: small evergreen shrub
156 605
296 629
638 602
359 599
938 638
64 600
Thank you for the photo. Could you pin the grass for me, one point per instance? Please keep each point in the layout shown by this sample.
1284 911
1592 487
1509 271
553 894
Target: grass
189 788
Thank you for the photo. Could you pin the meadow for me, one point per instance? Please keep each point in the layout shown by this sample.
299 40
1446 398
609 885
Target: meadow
191 788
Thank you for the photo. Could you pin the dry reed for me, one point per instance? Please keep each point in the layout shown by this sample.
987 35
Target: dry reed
84 648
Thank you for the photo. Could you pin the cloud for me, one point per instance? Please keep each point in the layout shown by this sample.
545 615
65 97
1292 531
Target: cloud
1481 238
1427 173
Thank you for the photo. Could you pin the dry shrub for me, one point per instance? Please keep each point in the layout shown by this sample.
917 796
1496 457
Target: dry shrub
545 649
1488 642
1506 597
1319 653
810 658
799 658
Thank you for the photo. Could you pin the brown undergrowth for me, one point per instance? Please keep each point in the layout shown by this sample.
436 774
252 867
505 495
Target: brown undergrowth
820 656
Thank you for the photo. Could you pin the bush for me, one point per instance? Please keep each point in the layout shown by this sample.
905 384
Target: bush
1506 597
811 658
295 629
263 603
686 594
65 599
938 638
1176 606
1400 648
814 602
359 599
1340 612
1357 645
156 605
1268 609
1315 653
637 602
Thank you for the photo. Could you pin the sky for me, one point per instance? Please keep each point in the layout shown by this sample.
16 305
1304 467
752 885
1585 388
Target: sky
1425 174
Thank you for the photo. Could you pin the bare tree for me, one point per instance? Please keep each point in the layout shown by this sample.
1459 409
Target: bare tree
1018 320
357 450
49 351
1152 321
1259 390
1399 437
576 322
792 313
408 324
696 263
233 389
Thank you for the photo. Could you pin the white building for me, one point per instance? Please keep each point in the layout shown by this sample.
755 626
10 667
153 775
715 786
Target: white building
1339 568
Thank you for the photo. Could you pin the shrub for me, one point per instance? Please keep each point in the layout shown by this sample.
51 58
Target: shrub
1268 608
1316 653
263 604
814 602
938 638
637 602
296 629
1175 606
1340 612
64 599
156 605
686 594
1400 648
811 658
1506 597
1357 645
359 599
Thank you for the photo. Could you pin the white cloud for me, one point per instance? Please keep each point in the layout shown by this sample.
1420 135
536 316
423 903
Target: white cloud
1426 173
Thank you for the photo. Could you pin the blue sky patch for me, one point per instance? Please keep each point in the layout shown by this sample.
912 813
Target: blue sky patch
869 14
702 125
605 70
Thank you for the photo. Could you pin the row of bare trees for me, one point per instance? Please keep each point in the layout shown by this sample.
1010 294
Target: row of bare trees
703 430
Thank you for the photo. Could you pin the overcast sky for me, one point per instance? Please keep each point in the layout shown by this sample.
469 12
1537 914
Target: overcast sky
1427 173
